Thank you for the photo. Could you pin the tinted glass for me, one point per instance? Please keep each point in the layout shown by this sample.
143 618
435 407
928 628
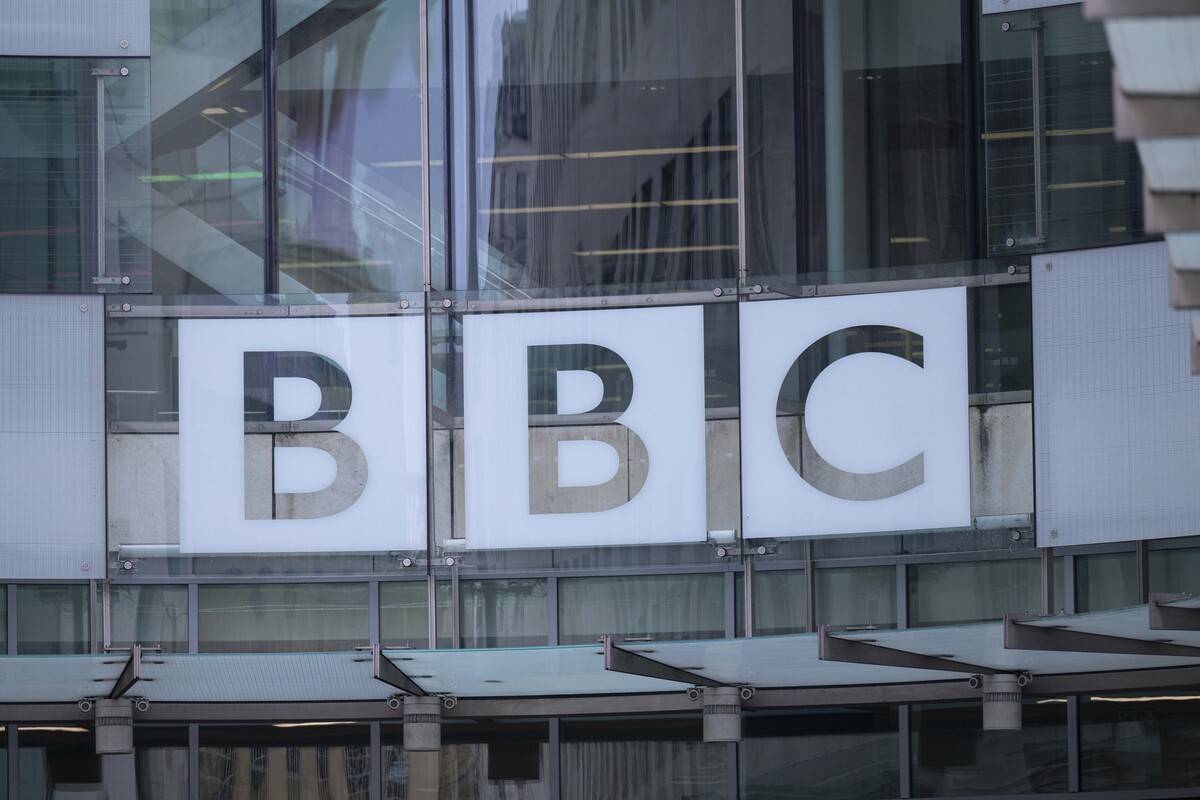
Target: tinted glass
54 759
279 763
268 617
953 756
844 753
972 591
53 618
780 602
1105 580
404 615
644 606
855 136
349 146
1144 741
149 615
856 596
603 144
502 613
161 761
1175 571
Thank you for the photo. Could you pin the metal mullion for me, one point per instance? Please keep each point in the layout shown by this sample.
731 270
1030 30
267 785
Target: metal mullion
11 619
810 589
1047 565
970 76
902 595
455 610
1073 761
193 618
553 767
193 761
748 598
730 586
1143 571
731 770
14 761
270 151
373 627
552 612
904 740
739 94
1069 584
376 785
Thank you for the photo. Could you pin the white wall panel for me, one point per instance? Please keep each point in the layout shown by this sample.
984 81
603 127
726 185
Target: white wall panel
75 28
51 437
1116 408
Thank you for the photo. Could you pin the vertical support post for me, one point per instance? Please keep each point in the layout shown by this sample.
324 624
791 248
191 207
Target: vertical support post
739 94
455 611
101 148
552 613
905 742
1069 584
193 762
970 61
554 761
1048 607
373 630
11 623
1073 761
731 770
106 615
14 761
94 617
1143 571
901 595
426 233
193 618
431 605
835 188
375 792
810 588
1039 135
270 152
748 598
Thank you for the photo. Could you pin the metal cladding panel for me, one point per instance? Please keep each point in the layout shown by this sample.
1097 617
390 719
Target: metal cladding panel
75 28
1116 408
51 437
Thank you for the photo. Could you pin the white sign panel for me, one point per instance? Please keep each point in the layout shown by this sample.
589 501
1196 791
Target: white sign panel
646 467
354 482
882 379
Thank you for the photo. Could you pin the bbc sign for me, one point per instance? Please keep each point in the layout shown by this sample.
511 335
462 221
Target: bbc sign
581 428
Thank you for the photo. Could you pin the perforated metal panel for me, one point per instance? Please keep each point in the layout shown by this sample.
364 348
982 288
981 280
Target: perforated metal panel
51 437
1116 408
74 27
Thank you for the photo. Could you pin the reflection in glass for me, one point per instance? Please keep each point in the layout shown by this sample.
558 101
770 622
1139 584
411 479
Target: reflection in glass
349 146
1139 741
856 596
1000 319
53 619
161 761
502 613
1105 580
1054 176
1175 571
653 606
281 617
149 615
279 763
953 756
972 591
484 760
780 602
855 136
404 614
207 170
836 753
56 760
640 759
603 144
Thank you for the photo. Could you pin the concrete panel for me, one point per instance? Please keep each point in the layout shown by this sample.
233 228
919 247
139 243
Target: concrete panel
311 505
1002 460
143 486
723 474
443 484
543 468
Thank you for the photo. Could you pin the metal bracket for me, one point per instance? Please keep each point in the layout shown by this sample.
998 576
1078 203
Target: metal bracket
619 659
1165 617
111 280
385 670
864 651
130 674
1021 636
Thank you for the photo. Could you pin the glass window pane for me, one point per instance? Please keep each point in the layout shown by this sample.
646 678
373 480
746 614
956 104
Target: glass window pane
161 756
1175 571
653 606
634 758
1001 357
1146 741
3 619
325 763
55 757
953 756
268 617
349 146
502 613
856 596
53 619
830 754
1105 580
149 615
604 145
973 591
855 136
780 602
404 616
485 760
206 178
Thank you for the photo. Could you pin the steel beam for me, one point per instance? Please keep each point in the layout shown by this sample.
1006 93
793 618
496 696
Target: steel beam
618 659
131 673
865 651
1166 617
385 670
1019 635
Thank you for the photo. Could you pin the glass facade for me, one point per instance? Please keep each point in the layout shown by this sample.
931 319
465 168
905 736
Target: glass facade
564 181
